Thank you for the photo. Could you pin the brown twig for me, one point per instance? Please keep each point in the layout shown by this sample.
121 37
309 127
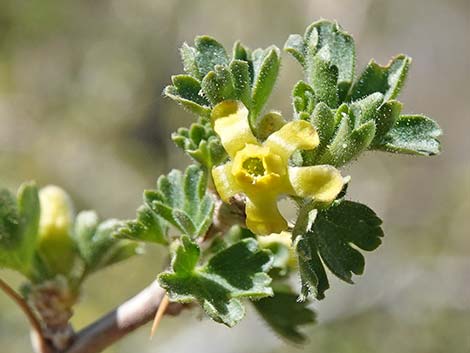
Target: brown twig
130 315
41 343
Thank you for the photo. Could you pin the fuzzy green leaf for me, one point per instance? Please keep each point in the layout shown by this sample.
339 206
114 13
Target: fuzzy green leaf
295 45
218 86
387 80
182 200
186 92
96 242
9 228
243 53
209 53
412 134
240 52
201 143
330 238
326 34
349 142
323 77
188 56
303 98
240 71
19 222
324 122
366 109
387 115
266 65
284 314
236 272
147 227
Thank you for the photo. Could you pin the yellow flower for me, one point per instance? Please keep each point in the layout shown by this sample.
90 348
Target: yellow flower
261 170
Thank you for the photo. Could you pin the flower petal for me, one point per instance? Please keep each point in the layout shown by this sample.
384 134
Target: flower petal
298 134
224 182
230 119
263 216
320 182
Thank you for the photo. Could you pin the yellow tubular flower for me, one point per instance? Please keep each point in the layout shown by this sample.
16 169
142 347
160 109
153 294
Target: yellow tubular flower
261 170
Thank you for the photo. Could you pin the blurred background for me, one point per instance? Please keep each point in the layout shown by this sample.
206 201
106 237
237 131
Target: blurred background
81 107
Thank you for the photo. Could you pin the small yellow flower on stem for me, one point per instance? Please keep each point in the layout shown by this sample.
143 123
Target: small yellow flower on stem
261 170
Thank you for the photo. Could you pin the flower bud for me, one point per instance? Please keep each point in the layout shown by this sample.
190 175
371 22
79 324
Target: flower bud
56 246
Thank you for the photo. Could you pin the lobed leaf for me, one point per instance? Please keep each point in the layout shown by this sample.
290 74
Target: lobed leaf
147 227
329 241
238 271
201 143
412 134
188 57
96 243
180 200
209 54
326 34
188 99
349 141
284 314
218 85
295 45
303 98
387 80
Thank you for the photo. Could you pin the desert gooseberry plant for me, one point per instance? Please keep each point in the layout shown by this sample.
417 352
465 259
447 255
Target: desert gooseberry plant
219 219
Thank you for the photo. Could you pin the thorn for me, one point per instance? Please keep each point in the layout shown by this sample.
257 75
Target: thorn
159 314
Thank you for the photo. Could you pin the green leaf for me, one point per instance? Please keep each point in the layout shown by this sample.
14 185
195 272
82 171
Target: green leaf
295 45
366 109
96 242
328 36
323 77
189 88
182 200
303 98
239 271
266 65
19 222
284 314
387 80
240 71
341 47
209 53
147 227
243 53
240 52
188 56
9 228
412 134
201 143
330 237
324 122
218 86
185 91
387 115
349 142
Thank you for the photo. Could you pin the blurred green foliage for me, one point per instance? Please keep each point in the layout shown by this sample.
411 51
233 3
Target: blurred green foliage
81 107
